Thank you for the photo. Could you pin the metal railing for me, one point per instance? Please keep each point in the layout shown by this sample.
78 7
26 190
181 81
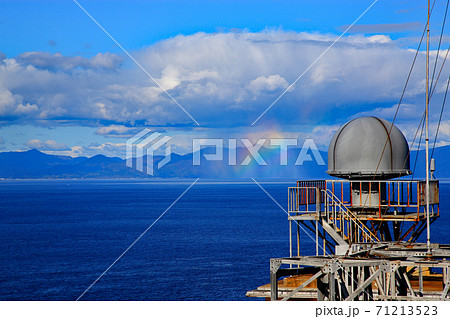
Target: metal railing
367 197
304 199
325 204
345 221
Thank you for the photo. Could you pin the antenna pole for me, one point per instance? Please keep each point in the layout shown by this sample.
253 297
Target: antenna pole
427 164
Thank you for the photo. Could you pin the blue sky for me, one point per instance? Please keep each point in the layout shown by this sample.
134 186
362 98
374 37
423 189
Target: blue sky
67 88
30 25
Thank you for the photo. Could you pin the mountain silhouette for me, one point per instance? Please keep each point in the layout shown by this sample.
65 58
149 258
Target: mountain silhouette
34 164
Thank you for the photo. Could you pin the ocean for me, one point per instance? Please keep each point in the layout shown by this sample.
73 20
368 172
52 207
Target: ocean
58 236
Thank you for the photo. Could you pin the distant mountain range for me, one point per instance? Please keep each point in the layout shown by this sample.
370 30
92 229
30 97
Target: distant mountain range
34 164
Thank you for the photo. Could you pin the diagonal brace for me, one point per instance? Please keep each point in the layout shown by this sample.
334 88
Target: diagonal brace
303 285
364 285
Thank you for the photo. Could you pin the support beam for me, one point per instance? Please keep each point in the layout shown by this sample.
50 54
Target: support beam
446 281
318 208
420 280
343 291
273 287
408 231
333 234
322 287
312 228
331 287
380 288
418 231
364 285
290 239
405 275
445 292
381 281
332 270
274 266
303 285
372 269
317 238
393 288
368 292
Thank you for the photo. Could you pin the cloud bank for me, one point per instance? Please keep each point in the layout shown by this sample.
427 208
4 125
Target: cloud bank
222 79
227 78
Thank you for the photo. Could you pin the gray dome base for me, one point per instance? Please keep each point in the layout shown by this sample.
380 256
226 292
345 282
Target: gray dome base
369 175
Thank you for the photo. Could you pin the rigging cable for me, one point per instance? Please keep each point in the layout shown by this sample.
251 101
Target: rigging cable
421 133
439 74
440 41
418 146
408 157
400 101
440 118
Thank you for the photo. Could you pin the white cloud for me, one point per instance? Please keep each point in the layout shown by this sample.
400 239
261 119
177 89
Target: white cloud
107 149
224 79
26 109
118 131
267 84
49 145
407 112
7 101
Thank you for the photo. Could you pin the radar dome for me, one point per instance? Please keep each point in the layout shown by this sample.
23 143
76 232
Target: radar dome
357 147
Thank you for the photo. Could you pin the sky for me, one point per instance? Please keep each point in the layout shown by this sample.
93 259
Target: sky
73 86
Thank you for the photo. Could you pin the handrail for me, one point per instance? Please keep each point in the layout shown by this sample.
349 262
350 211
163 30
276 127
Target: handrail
303 192
350 215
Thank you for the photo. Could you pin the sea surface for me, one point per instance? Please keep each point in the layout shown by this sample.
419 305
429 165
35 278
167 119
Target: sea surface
58 236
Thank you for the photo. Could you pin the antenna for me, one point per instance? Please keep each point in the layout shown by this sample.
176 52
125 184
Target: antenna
427 164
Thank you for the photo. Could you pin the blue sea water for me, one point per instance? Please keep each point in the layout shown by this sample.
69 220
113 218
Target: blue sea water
57 237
